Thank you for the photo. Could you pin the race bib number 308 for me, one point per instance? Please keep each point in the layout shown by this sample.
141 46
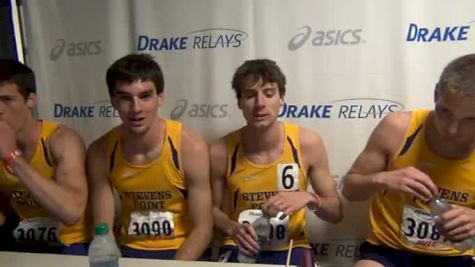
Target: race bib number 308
419 229
38 230
151 223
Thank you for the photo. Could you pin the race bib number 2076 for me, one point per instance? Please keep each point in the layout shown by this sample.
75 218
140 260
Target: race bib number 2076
37 230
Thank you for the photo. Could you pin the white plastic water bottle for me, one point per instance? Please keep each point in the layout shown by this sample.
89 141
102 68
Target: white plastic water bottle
262 227
103 251
438 206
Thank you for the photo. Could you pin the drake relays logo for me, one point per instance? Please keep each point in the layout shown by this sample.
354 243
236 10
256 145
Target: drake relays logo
351 108
212 38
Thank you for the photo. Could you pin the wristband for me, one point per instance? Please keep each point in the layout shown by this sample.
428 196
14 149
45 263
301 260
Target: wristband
315 204
11 157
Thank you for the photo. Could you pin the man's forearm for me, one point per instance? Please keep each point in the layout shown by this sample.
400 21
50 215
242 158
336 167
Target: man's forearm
195 244
62 203
359 187
330 209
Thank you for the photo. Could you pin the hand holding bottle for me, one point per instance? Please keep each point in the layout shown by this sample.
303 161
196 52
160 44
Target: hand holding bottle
456 223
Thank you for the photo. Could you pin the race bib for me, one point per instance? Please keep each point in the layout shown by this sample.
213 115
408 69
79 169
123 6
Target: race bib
38 230
288 177
419 229
279 232
151 224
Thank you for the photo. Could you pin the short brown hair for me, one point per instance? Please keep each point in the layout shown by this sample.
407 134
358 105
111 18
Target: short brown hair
459 76
264 69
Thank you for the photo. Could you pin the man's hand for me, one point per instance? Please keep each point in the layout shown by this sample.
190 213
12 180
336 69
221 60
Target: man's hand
291 202
7 139
245 238
408 180
457 224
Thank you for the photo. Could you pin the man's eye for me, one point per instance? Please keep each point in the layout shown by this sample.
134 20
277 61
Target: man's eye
124 97
7 99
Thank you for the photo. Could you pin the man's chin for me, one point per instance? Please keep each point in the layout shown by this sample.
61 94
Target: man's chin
137 130
260 124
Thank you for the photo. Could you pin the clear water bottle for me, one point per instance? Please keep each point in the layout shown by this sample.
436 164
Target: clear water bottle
438 206
262 227
103 251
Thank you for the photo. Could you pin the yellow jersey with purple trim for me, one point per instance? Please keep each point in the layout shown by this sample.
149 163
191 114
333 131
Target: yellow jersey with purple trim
36 225
249 186
153 196
399 220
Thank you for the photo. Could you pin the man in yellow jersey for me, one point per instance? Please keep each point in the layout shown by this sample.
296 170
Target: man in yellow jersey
268 164
159 168
41 170
411 157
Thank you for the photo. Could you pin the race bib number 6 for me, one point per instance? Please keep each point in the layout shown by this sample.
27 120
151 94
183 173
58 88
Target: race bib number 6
288 177
151 223
37 230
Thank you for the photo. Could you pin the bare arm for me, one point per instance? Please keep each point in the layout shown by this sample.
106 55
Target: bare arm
101 197
368 174
325 202
244 235
218 163
328 205
196 167
65 196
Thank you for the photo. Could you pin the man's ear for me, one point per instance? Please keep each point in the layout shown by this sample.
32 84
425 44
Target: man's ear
31 100
436 92
161 98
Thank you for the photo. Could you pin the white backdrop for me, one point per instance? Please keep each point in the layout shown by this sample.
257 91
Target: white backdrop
347 63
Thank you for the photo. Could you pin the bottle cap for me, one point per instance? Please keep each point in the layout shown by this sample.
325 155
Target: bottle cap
268 213
101 229
439 205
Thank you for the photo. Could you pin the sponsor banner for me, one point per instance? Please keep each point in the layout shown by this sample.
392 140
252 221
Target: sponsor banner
347 66
351 108
201 39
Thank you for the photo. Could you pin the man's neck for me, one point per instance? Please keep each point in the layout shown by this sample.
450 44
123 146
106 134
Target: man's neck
145 142
262 139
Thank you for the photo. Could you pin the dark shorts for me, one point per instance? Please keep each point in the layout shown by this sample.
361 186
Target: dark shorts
7 242
73 249
299 257
390 257
157 254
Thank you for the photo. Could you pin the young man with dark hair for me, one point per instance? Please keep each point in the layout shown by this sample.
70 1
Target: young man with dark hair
159 168
41 170
268 164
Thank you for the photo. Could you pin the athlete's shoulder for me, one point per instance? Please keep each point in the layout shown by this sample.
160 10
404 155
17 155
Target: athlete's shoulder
396 121
309 138
190 139
63 137
99 147
218 148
